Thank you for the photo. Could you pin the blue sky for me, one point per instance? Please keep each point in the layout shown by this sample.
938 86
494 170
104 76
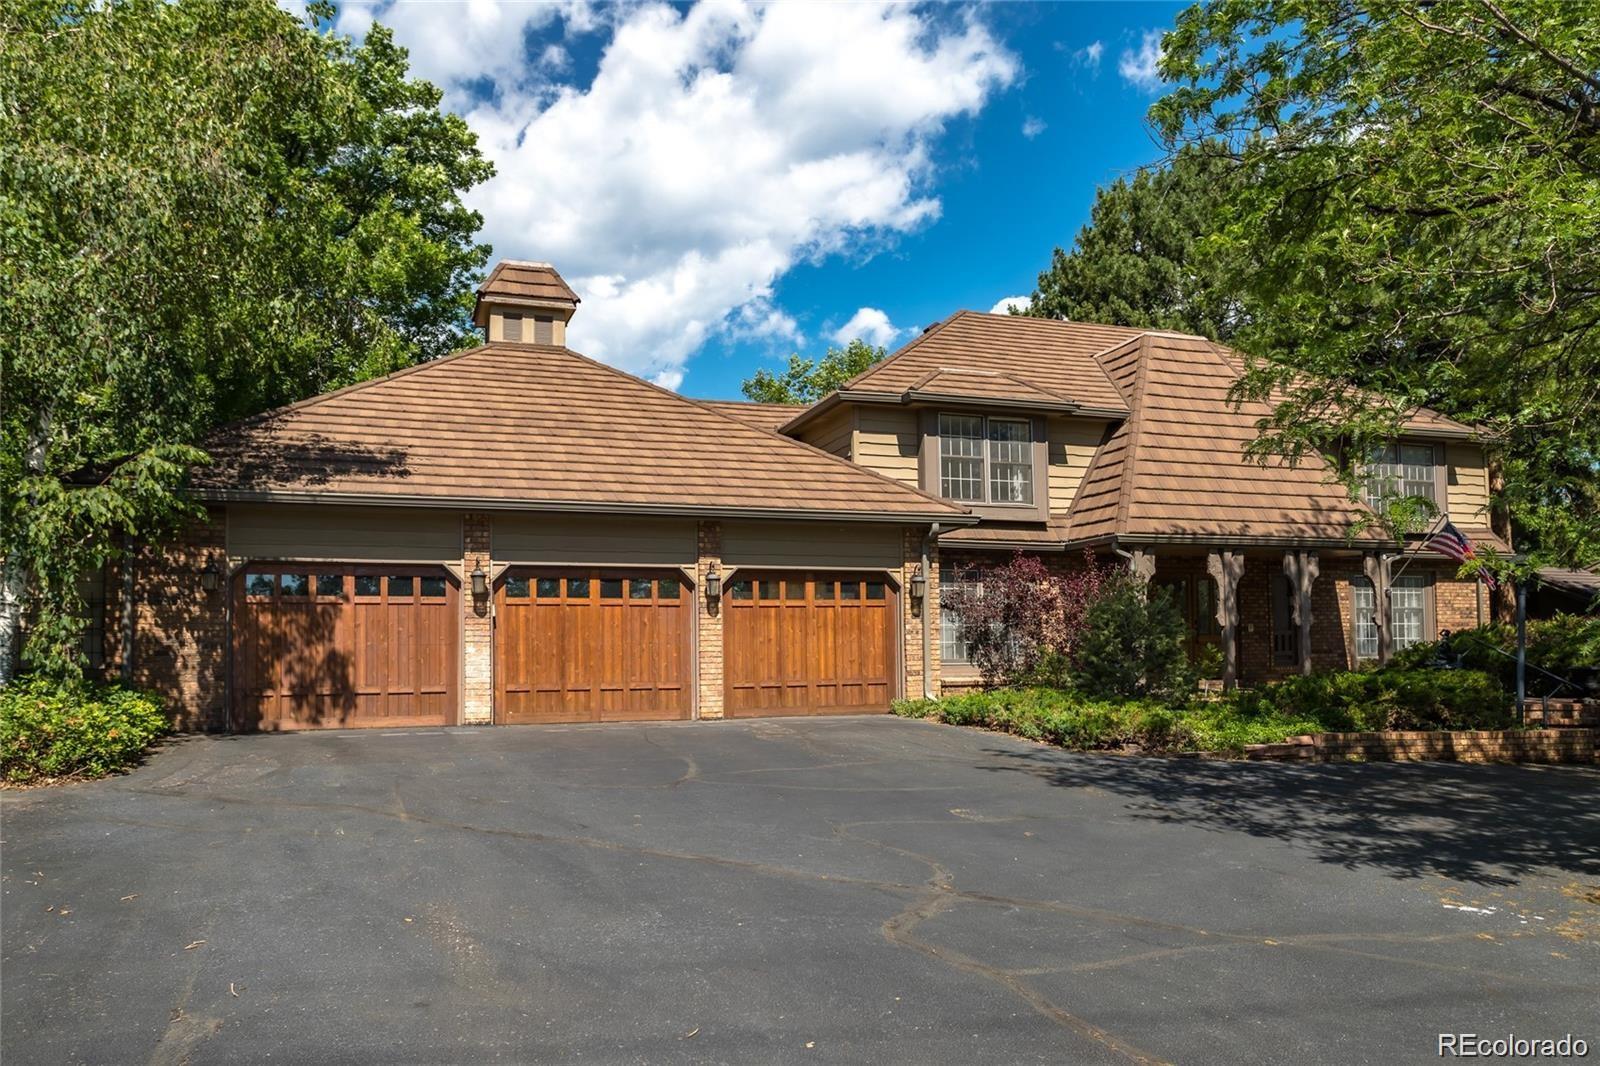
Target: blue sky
725 184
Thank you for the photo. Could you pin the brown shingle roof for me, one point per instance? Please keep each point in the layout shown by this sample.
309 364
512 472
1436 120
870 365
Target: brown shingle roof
1054 357
1176 466
761 415
524 425
521 280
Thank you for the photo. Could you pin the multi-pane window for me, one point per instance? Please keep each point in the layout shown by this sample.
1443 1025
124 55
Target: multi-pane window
953 646
1010 461
985 459
961 457
1408 603
1400 470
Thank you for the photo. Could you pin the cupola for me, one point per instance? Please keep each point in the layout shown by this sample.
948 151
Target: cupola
524 302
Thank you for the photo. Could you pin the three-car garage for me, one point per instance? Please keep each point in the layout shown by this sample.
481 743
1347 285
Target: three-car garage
379 643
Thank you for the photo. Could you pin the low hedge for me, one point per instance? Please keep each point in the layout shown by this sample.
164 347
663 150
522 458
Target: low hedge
1564 644
1333 702
53 730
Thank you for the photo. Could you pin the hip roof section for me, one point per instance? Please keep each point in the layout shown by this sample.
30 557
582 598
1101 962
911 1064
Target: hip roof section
520 424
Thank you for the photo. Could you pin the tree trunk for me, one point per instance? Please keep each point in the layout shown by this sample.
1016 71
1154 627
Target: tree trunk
13 601
16 579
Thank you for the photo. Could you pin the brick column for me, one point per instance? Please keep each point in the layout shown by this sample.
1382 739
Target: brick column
708 644
477 625
916 615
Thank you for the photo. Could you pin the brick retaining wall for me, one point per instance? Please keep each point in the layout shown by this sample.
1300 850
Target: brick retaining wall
1476 746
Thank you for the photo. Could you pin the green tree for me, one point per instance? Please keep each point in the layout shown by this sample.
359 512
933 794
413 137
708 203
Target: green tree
1138 261
1421 227
207 208
1133 644
809 380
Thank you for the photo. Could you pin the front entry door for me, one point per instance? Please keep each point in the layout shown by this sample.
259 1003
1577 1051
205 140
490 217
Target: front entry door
1196 598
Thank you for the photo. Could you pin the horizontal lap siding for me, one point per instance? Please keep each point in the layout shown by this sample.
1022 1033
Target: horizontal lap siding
811 544
1072 444
357 534
889 442
554 538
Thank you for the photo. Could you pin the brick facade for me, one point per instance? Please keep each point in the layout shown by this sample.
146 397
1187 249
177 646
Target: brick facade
180 630
708 630
915 616
477 624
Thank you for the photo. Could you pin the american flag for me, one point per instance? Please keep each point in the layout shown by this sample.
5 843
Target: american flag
1448 540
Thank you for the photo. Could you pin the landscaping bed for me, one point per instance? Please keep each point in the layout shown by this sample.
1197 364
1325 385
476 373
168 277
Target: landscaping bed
52 731
1360 701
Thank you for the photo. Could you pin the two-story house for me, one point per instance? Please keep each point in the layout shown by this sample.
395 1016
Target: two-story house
518 534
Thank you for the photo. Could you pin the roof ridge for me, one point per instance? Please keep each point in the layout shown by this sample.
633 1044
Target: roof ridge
1135 428
757 429
902 350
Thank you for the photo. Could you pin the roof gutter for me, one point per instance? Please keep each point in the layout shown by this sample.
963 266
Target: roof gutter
217 495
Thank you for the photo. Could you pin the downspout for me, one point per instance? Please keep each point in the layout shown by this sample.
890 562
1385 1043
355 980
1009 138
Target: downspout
927 630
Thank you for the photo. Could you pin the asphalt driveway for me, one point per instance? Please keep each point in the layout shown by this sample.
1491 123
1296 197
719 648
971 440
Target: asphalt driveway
802 890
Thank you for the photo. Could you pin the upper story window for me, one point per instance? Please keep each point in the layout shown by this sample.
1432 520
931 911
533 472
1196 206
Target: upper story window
1401 470
985 460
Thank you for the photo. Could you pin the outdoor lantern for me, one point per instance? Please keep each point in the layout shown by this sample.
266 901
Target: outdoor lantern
713 583
919 584
480 582
209 577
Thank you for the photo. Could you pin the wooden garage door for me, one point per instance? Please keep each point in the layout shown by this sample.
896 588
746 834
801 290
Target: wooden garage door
808 644
319 645
592 646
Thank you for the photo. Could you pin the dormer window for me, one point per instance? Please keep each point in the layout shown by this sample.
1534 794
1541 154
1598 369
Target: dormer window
985 460
1401 470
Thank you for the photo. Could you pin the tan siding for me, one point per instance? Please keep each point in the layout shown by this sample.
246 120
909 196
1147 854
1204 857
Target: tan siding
831 433
558 538
889 442
1467 495
811 544
1072 444
356 534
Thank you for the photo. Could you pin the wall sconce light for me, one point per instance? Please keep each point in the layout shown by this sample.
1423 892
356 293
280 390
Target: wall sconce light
480 582
713 584
919 584
209 576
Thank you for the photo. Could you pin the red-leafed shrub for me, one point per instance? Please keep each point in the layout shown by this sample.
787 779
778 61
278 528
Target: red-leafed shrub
1023 623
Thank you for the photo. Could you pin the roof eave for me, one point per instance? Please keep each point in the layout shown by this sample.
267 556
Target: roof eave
212 494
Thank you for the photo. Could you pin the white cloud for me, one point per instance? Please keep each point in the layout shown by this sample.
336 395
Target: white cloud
1032 127
870 325
1004 306
1141 67
1089 55
714 149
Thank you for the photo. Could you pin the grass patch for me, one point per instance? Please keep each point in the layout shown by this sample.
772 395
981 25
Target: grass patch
1336 702
49 730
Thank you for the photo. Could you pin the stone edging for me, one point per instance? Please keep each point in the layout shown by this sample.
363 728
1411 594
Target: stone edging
1476 746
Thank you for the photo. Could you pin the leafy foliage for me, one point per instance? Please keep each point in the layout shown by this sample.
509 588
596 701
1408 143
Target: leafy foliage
1565 644
1421 226
208 209
806 381
50 729
1133 644
1333 702
1024 623
1138 261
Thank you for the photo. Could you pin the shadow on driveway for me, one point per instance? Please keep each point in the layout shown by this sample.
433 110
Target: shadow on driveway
1405 819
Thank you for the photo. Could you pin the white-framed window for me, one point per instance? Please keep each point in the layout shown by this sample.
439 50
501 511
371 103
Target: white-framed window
1408 601
953 647
985 460
1400 470
961 457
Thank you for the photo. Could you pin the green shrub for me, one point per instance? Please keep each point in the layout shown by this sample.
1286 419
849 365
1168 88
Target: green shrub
1561 645
1133 645
1393 697
51 729
1060 717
